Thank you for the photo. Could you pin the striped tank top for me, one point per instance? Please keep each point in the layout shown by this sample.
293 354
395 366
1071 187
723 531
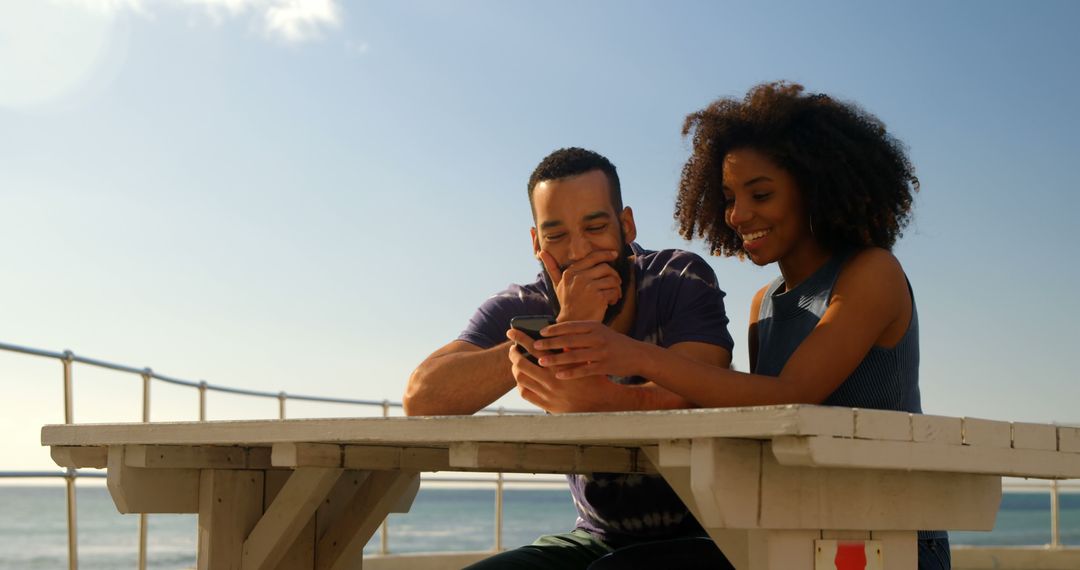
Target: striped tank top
886 379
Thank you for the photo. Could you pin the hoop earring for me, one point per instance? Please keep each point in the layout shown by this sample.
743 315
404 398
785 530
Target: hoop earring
811 224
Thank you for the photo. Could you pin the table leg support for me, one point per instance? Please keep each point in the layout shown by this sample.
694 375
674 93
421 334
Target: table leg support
289 516
230 504
382 492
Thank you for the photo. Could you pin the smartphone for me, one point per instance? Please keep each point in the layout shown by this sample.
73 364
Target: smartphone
531 325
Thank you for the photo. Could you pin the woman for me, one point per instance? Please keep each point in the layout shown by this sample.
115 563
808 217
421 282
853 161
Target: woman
819 188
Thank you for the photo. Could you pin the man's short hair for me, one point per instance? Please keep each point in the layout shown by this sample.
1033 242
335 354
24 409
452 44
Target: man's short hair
567 162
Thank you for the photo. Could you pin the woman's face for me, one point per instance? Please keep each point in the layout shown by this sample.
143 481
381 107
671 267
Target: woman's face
764 206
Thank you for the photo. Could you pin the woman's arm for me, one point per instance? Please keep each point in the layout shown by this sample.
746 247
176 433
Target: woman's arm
870 303
539 385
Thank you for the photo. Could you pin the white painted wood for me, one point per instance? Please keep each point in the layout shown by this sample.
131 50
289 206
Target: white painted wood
734 543
342 546
546 458
845 535
136 490
618 429
828 551
673 460
258 457
797 497
338 500
406 497
1069 439
382 458
987 433
185 457
80 457
881 424
937 429
724 480
817 420
424 459
306 455
901 549
1034 436
287 516
301 555
230 503
899 455
782 549
819 454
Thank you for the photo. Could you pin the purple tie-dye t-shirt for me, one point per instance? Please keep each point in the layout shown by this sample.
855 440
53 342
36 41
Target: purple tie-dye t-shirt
678 300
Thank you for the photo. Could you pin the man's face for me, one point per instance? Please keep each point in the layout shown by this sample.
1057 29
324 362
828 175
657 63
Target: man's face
575 217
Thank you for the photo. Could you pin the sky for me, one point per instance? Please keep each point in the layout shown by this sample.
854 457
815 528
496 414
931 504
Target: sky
312 196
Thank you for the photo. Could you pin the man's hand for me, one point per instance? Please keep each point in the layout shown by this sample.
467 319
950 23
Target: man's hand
587 287
582 349
540 387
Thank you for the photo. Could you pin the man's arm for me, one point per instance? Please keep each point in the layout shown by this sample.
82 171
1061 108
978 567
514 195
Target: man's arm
458 379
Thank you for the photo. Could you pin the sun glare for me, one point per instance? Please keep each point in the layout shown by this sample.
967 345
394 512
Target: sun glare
35 68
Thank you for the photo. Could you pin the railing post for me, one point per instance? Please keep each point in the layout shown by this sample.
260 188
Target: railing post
1055 515
384 530
202 400
72 520
69 478
499 504
147 374
281 397
69 398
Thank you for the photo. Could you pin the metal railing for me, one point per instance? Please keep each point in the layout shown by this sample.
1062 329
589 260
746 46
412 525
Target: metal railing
1055 487
69 358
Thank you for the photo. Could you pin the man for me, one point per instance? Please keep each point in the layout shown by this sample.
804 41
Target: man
592 270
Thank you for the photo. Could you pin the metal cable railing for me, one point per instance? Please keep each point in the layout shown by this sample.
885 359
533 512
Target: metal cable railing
69 358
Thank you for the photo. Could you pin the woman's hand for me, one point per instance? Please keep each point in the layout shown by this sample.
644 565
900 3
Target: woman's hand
539 385
588 348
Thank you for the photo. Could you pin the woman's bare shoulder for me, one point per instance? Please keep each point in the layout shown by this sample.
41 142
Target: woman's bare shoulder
873 266
755 304
873 282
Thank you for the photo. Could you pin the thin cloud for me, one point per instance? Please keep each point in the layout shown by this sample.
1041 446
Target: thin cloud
300 20
294 21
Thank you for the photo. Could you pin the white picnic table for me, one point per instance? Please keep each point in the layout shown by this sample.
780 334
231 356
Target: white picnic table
784 487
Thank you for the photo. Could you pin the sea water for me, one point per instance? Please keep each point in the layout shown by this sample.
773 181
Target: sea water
33 527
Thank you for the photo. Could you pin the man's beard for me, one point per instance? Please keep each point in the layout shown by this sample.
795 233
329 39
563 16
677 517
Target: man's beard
621 265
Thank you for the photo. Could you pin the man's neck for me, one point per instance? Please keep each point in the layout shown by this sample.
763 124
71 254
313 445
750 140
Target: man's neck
624 321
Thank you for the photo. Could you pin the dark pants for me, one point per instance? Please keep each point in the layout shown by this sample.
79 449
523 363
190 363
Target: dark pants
579 550
934 554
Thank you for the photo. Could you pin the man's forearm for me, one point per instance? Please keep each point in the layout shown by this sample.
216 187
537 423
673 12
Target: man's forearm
458 383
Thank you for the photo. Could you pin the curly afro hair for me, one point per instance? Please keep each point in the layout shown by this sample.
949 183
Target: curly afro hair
855 178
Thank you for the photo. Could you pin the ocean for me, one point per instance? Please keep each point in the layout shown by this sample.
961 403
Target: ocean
33 530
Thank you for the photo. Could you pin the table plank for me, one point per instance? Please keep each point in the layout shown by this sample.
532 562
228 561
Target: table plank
623 428
818 451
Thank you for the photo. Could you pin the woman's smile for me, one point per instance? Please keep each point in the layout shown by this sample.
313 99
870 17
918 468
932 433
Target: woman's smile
752 240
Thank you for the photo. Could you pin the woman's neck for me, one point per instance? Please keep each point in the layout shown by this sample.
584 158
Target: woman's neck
800 263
